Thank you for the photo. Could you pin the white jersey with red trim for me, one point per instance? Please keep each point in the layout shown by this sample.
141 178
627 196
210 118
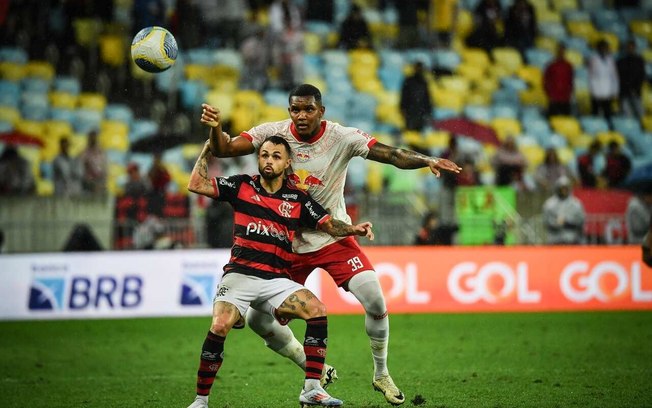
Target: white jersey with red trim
319 166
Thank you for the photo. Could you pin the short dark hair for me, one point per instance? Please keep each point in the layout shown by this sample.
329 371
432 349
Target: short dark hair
306 90
278 140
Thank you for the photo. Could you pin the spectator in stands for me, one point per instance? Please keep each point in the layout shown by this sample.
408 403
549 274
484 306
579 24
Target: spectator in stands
443 19
637 217
255 60
521 26
415 102
558 84
509 164
354 31
589 165
67 171
286 37
631 76
551 170
564 215
408 24
449 182
16 177
487 17
135 186
617 165
94 166
159 179
603 81
433 232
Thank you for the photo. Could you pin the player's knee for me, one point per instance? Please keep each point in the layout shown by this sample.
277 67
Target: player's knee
220 327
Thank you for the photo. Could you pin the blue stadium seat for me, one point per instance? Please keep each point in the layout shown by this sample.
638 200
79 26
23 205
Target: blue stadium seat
539 129
505 110
276 97
313 65
338 59
505 96
538 57
62 114
594 124
192 94
578 44
592 5
229 57
116 156
120 112
418 54
13 54
35 106
201 55
553 30
513 84
531 113
392 78
67 84
444 113
576 15
86 120
9 94
142 128
36 85
629 127
5 126
392 58
362 107
446 59
478 113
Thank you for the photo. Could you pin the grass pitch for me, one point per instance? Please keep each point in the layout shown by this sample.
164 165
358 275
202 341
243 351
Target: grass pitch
442 360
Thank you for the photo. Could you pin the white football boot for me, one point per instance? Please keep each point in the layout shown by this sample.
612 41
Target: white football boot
318 397
392 394
199 403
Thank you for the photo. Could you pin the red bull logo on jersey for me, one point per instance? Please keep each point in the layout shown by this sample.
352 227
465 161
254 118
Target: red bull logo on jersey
302 155
303 179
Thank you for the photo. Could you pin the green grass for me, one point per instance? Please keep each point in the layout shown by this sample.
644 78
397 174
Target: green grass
450 360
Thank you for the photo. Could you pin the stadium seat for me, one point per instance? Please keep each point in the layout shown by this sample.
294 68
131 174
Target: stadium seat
63 100
142 128
62 114
583 29
608 136
192 93
250 100
566 126
447 60
593 124
391 78
11 71
114 135
40 69
112 50
576 15
533 153
476 73
554 31
92 101
9 94
642 28
197 72
119 112
532 75
243 119
230 57
505 127
9 114
270 113
475 56
391 115
5 127
548 44
561 5
539 129
455 83
312 43
13 54
513 83
35 85
363 107
576 58
504 110
647 123
478 113
593 5
87 31
507 58
66 84
449 99
35 106
87 120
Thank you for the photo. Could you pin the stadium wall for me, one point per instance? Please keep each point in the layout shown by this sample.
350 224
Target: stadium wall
415 280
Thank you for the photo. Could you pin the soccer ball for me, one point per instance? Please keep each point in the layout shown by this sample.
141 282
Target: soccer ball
154 49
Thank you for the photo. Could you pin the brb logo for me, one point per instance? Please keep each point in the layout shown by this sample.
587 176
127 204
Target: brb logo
197 290
266 230
84 292
492 282
606 281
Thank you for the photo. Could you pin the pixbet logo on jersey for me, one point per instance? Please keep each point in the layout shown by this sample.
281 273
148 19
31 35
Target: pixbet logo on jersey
266 230
59 291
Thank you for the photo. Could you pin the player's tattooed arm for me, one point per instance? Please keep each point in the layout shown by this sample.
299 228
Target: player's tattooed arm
199 182
408 159
339 228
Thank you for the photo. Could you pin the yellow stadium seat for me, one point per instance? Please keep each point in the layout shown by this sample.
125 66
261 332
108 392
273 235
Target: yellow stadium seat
364 58
508 58
112 50
92 100
53 131
44 188
583 100
534 97
375 178
63 100
249 99
223 101
445 98
575 58
546 43
116 176
642 28
57 128
40 69
475 56
87 31
114 135
222 72
647 123
560 5
78 143
273 114
566 126
647 55
478 98
531 74
368 85
584 29
29 127
243 119
390 114
312 43
385 97
609 136
580 141
413 138
197 72
546 16
9 114
437 139
505 127
455 83
12 71
471 71
464 23
566 155
534 155
317 81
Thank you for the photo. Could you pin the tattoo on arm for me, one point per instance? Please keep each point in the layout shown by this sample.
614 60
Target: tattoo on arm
338 228
401 158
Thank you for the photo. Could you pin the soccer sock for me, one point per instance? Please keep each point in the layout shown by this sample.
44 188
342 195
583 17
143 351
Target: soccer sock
314 346
278 338
366 288
212 354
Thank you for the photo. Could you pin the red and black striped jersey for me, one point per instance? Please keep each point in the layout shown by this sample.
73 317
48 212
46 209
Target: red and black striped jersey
265 224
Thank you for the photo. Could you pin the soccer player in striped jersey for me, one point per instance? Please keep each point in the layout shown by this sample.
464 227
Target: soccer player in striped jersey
268 212
321 153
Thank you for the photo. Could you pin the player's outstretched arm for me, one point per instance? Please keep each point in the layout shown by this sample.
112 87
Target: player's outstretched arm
339 228
199 182
408 159
221 143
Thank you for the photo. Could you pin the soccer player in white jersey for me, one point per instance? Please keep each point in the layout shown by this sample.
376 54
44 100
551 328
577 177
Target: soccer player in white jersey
321 151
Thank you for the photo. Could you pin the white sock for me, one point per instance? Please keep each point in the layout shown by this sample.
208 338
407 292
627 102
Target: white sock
366 288
310 384
278 338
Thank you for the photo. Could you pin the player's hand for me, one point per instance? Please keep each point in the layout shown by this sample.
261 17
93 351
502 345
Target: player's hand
443 164
364 230
210 116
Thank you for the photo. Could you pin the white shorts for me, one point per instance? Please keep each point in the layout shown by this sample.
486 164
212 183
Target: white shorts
245 290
